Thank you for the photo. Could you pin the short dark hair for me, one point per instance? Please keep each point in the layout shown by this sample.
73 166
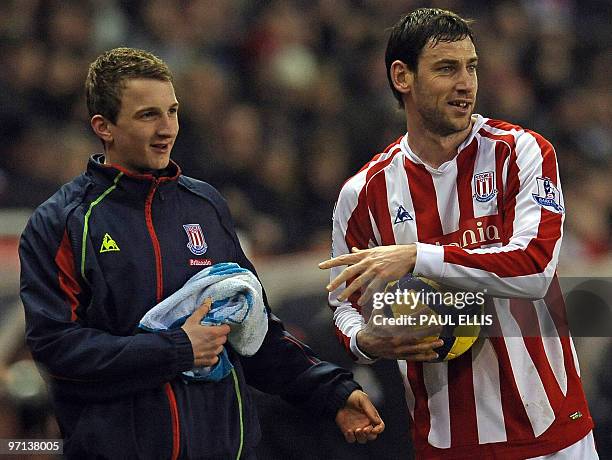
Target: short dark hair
107 74
410 35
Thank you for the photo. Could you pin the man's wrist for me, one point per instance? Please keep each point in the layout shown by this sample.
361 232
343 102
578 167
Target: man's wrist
412 256
360 346
339 397
360 357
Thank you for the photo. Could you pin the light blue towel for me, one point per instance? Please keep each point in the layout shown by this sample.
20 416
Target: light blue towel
237 301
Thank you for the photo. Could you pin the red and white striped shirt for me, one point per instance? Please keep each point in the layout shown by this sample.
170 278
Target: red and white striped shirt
489 218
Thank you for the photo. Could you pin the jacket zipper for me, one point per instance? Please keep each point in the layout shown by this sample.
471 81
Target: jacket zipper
156 249
176 433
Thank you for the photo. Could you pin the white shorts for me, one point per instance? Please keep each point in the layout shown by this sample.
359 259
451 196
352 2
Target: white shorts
583 450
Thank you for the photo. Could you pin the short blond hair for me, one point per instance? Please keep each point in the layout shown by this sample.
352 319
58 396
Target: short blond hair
107 74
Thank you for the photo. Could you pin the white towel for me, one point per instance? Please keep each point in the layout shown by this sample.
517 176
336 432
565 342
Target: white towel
237 301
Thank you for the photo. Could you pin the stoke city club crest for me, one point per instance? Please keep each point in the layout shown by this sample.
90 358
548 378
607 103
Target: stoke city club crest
196 244
484 186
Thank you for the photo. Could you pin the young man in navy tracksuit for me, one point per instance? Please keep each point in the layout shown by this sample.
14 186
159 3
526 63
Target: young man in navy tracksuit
114 242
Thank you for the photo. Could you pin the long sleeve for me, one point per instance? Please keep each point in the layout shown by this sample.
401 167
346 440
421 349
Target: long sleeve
287 367
524 265
351 227
91 363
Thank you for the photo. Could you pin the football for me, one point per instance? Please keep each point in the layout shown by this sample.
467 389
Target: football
424 305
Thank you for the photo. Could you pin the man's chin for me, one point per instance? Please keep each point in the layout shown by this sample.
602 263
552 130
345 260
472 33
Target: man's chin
461 125
160 163
454 128
448 125
151 166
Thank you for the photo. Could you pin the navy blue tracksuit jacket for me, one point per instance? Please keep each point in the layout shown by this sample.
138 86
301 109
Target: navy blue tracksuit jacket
99 254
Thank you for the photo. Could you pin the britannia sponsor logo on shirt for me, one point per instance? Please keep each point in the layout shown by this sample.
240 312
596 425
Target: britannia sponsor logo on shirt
484 186
196 244
473 233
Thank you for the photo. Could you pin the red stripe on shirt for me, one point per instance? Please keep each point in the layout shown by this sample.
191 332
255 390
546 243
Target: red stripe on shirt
423 195
505 150
379 206
556 307
539 251
465 163
502 153
516 420
550 222
503 125
463 425
535 347
359 232
359 228
345 340
524 312
517 424
512 188
422 422
526 317
67 275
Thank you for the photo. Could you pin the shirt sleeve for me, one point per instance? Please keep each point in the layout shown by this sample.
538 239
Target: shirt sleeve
352 227
90 364
533 213
285 366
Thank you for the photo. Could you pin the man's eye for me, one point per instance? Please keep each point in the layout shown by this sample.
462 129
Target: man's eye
446 68
147 114
173 111
472 67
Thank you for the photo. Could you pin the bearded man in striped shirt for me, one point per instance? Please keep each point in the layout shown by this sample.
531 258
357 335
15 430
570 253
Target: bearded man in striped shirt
476 204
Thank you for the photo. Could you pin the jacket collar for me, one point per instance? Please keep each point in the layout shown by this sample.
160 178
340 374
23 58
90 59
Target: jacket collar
130 186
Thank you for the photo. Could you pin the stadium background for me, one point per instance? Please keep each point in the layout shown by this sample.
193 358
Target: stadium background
281 101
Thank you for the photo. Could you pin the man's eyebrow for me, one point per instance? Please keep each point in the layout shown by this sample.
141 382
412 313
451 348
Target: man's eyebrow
446 61
454 61
155 108
148 109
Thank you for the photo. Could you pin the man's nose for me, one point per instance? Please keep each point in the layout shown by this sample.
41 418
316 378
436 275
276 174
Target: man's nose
467 81
167 126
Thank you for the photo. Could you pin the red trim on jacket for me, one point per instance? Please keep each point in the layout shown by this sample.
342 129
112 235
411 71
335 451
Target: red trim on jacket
159 291
176 431
67 275
145 176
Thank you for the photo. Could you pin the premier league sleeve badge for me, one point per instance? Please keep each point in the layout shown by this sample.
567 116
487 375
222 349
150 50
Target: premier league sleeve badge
548 195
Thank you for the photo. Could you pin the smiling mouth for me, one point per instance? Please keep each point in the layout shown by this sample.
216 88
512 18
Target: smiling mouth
460 104
161 147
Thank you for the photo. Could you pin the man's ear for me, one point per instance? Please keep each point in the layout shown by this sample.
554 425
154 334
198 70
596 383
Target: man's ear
102 128
401 76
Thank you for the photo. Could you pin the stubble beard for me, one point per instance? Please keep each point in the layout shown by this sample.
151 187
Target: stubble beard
437 123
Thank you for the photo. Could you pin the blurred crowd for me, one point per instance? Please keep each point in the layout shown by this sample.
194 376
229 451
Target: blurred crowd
281 101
